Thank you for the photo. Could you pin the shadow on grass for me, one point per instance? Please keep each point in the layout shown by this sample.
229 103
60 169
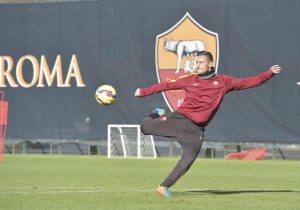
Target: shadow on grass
229 192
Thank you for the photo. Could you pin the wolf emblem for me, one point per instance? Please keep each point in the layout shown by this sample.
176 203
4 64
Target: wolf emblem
184 48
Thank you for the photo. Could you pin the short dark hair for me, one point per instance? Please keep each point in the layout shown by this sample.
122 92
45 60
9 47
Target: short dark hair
207 54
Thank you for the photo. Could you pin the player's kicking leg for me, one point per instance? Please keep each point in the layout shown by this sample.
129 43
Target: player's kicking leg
175 125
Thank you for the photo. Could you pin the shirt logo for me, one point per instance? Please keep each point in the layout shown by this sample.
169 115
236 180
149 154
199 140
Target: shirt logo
215 83
196 84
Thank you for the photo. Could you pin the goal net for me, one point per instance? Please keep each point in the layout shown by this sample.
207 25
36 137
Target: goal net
129 142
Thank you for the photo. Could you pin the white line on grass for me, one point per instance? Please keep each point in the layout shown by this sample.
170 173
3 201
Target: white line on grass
238 190
106 189
67 192
59 187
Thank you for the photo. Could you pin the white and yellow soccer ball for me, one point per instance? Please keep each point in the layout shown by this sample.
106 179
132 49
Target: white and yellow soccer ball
105 95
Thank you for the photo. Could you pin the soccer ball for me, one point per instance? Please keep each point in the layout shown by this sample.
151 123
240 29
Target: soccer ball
105 95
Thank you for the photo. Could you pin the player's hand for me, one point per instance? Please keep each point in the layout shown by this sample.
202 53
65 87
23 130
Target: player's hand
138 92
276 69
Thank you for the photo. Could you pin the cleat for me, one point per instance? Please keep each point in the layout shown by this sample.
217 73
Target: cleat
156 113
159 111
164 191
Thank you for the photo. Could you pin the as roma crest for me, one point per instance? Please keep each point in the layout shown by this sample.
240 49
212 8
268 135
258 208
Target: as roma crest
174 53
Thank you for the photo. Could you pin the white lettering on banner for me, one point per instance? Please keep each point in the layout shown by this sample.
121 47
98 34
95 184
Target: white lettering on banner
5 73
74 71
41 72
19 71
45 72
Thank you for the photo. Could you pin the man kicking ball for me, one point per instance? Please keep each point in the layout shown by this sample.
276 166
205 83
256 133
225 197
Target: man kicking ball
204 92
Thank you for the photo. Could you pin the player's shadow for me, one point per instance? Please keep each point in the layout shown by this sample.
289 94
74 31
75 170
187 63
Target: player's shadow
228 192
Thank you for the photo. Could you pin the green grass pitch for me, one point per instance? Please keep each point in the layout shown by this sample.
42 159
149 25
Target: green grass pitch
95 182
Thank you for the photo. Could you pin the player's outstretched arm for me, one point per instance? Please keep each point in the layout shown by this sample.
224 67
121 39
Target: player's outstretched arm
177 84
250 82
276 69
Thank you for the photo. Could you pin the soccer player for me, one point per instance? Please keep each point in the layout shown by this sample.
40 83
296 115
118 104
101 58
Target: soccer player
204 92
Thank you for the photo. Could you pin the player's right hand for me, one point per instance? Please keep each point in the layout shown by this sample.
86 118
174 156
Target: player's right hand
138 92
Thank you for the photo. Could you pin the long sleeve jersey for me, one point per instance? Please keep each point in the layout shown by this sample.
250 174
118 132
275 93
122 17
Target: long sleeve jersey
203 97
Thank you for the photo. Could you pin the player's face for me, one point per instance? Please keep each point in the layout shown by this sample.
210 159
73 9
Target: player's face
202 64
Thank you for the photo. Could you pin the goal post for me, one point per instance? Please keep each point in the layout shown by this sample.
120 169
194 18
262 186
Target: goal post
127 141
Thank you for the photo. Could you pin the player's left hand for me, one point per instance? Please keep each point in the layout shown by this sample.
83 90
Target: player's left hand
276 69
137 92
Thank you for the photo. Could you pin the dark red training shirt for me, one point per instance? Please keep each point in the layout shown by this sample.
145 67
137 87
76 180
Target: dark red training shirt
203 97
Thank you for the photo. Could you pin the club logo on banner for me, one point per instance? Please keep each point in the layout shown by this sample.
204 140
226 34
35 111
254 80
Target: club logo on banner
174 53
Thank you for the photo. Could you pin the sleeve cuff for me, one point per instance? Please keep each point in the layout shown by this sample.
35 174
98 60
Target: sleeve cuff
142 92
